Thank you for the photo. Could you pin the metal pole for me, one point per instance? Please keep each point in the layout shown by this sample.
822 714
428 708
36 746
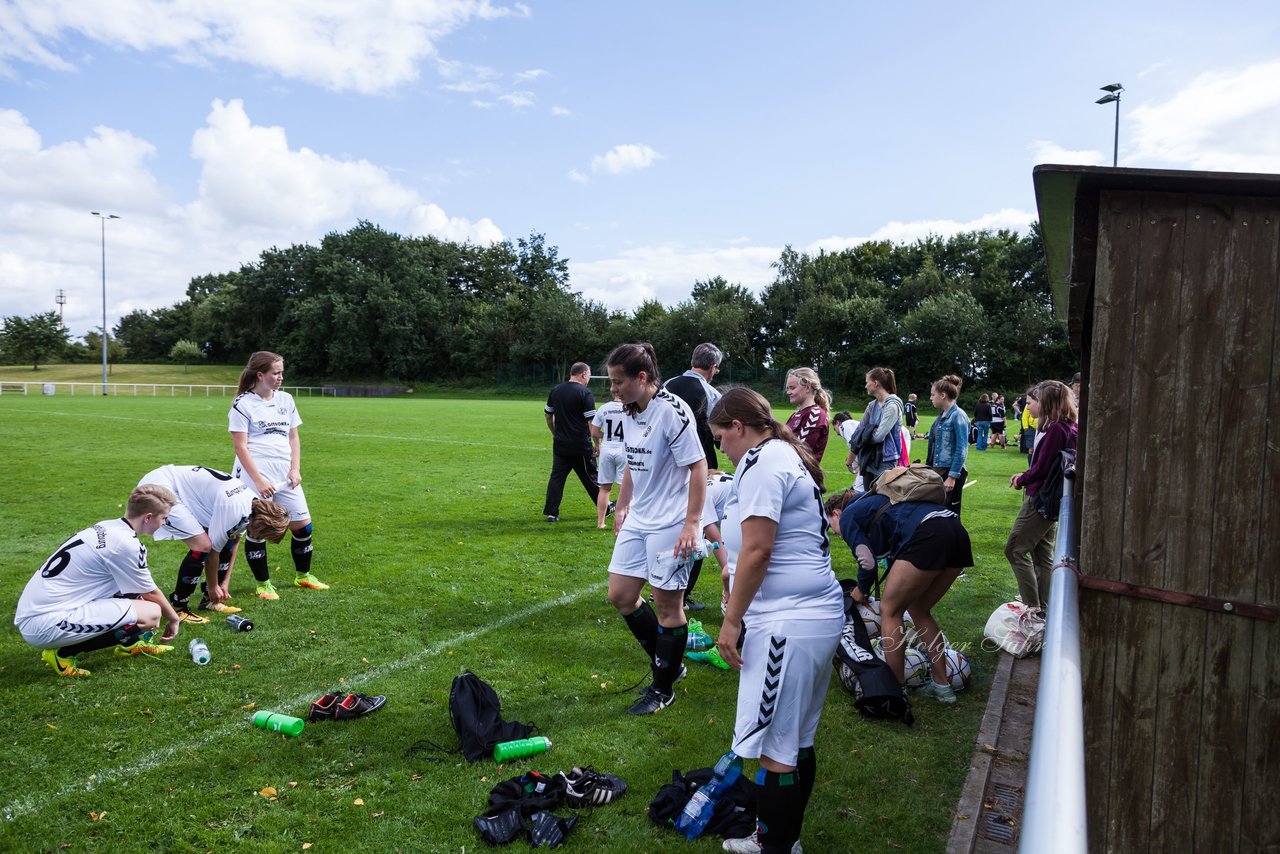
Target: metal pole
1115 148
104 217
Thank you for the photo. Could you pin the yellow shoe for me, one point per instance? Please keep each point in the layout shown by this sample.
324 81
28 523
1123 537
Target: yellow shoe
310 582
186 615
143 646
220 607
64 666
267 590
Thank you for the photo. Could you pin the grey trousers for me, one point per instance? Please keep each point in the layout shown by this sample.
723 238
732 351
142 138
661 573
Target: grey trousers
1030 553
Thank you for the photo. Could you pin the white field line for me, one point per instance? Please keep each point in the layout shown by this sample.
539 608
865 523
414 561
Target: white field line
969 483
37 801
308 432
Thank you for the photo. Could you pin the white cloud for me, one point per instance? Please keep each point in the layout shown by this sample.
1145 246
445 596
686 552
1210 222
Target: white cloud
561 111
906 232
431 219
1050 152
1222 120
358 45
532 74
518 100
624 158
575 175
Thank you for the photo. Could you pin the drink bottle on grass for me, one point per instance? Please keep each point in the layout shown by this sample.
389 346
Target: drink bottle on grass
697 812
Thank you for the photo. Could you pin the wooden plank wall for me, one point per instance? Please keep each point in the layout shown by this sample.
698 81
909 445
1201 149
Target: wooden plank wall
1181 490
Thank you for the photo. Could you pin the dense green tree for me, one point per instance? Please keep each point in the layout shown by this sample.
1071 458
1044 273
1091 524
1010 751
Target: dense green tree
186 351
34 339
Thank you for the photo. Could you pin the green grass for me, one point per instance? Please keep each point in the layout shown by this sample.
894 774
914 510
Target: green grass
195 374
428 526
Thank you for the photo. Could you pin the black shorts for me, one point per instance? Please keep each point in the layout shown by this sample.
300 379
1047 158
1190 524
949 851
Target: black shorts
997 427
938 544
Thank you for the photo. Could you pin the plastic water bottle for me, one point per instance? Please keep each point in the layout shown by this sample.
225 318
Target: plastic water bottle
697 812
239 623
199 651
521 748
277 722
697 640
703 549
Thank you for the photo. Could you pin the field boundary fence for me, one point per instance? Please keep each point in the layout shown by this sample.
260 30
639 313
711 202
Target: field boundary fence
148 389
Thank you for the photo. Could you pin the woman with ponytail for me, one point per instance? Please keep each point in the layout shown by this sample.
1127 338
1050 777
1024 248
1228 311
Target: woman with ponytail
878 439
949 439
658 519
782 586
810 422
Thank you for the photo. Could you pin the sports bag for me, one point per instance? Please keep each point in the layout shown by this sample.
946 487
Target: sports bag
915 482
735 812
1016 629
880 694
476 714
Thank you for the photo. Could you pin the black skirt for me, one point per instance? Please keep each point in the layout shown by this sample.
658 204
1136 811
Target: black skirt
939 543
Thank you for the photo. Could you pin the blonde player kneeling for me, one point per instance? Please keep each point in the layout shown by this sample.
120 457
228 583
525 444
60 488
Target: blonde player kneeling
96 590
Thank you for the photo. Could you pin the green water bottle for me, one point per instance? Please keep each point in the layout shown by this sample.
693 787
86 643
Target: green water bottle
277 722
521 748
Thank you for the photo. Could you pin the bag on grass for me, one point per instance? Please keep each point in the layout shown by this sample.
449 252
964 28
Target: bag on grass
876 691
735 812
1017 629
476 714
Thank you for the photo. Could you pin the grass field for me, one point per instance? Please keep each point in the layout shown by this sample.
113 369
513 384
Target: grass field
428 526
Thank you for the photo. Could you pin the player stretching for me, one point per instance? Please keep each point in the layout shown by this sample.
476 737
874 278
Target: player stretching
96 591
264 422
213 510
659 517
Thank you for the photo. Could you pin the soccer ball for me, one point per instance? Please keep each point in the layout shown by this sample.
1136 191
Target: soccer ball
848 681
877 648
958 671
869 611
916 667
909 635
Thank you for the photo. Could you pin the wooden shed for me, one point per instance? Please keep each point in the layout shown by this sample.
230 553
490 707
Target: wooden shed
1170 284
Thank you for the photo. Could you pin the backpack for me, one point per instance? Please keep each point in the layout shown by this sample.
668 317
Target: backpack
476 713
1048 500
913 482
876 691
735 811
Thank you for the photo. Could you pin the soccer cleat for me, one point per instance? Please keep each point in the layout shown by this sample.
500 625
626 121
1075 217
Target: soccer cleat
220 607
941 693
710 656
267 590
309 581
143 646
691 605
356 706
751 845
186 615
64 666
613 505
651 701
553 518
324 708
586 787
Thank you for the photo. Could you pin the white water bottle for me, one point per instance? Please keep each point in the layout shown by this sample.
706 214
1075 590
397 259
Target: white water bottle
199 651
703 549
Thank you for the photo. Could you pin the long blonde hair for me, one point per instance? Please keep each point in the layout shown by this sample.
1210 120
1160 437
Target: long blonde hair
809 377
751 410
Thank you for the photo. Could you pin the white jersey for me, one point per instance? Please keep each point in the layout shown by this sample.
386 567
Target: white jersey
799 584
97 563
608 420
846 428
218 502
661 442
719 487
267 423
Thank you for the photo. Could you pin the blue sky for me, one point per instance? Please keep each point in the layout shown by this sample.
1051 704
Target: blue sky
655 144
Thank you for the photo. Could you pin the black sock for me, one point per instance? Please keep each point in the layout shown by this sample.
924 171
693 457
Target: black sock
779 810
806 771
301 549
668 651
188 576
255 554
693 578
644 625
123 635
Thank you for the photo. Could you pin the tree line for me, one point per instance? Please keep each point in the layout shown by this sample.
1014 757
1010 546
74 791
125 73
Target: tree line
372 305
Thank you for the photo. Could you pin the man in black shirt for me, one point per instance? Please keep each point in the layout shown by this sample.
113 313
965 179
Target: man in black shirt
569 410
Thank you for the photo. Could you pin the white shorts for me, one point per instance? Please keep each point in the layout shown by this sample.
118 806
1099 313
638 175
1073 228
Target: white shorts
647 555
786 668
290 497
63 628
611 465
181 524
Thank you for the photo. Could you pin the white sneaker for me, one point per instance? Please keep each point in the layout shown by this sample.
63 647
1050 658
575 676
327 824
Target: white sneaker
751 845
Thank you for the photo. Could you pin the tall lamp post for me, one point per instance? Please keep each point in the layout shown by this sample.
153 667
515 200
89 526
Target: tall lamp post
1113 94
104 217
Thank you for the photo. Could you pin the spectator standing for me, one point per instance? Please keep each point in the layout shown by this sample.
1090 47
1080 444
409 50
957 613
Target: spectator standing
982 420
997 419
1027 438
949 440
569 410
913 417
809 422
1030 544
878 438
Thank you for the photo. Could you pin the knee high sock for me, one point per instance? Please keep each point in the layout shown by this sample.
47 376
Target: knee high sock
300 546
255 553
806 771
224 566
644 625
779 810
123 635
188 576
693 577
668 651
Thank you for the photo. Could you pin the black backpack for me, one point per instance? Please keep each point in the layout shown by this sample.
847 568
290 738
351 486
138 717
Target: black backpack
476 714
881 695
735 812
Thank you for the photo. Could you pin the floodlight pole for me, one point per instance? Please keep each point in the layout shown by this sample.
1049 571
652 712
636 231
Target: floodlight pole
104 217
1113 91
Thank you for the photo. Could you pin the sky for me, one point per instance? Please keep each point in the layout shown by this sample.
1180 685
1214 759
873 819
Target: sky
655 144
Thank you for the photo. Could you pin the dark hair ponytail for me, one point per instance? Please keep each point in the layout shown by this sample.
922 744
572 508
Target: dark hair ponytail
632 359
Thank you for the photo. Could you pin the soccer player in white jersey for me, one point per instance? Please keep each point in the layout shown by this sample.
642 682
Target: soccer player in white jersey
611 453
784 589
213 510
719 487
264 422
96 590
658 520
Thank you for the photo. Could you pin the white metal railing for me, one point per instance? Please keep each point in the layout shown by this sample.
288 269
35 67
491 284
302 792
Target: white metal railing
139 389
1053 816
